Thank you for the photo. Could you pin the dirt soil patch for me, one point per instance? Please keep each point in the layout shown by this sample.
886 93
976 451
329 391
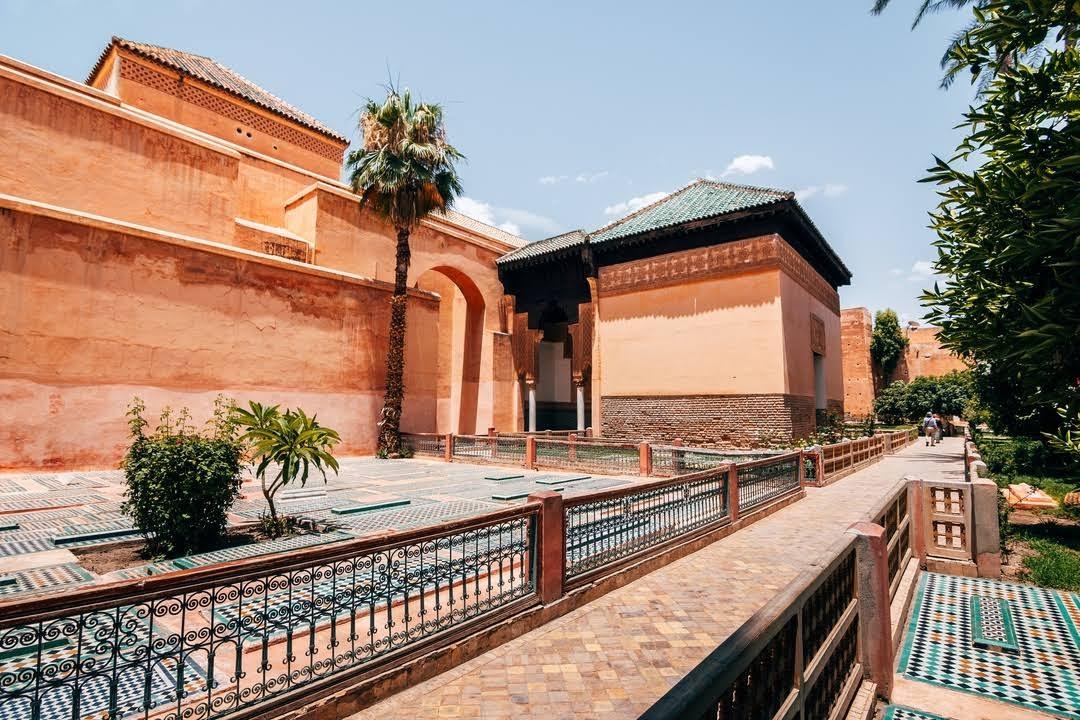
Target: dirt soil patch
105 558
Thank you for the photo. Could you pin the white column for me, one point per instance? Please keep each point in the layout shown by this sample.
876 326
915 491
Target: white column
532 407
580 388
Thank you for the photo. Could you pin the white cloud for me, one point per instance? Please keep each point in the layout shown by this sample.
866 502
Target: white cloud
552 179
896 271
923 268
827 190
512 220
634 203
591 177
748 164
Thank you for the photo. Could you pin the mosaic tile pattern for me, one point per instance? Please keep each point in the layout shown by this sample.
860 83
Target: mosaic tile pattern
11 504
21 547
47 578
53 482
10 486
1043 675
413 515
899 712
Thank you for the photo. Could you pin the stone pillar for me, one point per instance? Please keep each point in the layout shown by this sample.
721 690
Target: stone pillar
448 447
644 459
530 385
875 621
579 392
551 550
918 518
986 535
733 492
530 452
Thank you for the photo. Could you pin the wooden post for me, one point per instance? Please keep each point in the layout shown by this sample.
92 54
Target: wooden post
571 450
448 449
733 492
875 621
530 452
551 545
644 459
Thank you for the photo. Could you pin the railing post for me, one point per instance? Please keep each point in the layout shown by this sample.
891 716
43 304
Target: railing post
733 491
530 452
819 470
875 621
986 536
802 469
448 448
551 545
918 518
644 459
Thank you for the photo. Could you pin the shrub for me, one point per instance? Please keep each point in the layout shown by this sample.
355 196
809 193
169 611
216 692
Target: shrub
290 440
180 482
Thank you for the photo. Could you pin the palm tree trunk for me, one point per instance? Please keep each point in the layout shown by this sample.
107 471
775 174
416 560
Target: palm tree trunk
390 422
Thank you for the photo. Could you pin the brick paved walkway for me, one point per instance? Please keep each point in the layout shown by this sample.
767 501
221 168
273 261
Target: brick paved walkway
615 656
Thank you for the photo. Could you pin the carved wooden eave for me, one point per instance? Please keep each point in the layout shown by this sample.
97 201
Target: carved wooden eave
524 345
582 334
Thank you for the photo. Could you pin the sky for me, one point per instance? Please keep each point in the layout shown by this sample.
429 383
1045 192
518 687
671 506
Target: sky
571 114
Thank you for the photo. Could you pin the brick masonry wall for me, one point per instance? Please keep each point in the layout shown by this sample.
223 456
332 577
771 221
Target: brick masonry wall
730 421
856 327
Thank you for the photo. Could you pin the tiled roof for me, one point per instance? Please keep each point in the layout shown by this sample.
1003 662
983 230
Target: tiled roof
548 246
483 228
697 201
214 73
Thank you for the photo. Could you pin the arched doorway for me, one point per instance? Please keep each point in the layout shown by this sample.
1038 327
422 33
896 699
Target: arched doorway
460 339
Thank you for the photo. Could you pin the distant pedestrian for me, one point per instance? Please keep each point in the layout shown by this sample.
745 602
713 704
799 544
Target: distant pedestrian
930 429
940 426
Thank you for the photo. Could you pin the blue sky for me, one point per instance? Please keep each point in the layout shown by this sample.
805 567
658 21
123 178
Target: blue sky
570 113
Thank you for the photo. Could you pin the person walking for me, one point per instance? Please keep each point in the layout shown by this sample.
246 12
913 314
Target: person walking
930 429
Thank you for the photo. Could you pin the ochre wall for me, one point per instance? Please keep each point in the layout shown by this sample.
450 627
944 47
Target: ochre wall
92 317
711 337
97 324
924 357
856 327
798 305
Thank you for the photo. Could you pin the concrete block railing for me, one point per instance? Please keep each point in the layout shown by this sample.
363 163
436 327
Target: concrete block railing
829 463
268 636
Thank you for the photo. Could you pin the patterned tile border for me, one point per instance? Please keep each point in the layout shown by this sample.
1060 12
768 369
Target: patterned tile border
900 712
1044 674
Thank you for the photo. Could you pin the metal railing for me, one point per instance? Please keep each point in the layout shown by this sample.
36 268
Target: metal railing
605 457
216 641
762 481
671 460
429 444
795 658
608 526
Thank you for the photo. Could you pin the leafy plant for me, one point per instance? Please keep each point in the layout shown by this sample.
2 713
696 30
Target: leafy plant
887 343
948 395
180 482
291 441
403 171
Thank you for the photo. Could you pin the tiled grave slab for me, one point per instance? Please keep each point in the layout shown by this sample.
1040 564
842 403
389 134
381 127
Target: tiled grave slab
992 624
415 515
47 578
899 712
66 482
9 505
369 507
264 548
21 547
10 486
559 479
1043 674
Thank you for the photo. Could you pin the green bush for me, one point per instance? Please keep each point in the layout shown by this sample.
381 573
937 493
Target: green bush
181 482
946 395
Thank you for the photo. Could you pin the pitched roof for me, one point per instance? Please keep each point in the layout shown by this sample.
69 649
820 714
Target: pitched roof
213 73
697 201
483 228
546 247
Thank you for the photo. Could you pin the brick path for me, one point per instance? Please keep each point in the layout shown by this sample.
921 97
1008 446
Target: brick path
615 656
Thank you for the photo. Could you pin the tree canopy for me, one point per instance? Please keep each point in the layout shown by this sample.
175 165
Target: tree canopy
887 343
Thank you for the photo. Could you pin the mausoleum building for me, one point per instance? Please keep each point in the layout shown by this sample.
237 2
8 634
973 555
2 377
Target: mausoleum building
171 230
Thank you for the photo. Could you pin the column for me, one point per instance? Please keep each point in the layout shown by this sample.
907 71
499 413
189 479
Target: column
530 385
579 388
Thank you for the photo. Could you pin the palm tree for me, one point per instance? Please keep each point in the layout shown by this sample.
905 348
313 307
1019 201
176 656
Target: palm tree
403 171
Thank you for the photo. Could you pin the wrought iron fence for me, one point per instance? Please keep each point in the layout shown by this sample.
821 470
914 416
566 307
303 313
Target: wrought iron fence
605 527
761 481
211 642
425 443
671 460
759 671
612 458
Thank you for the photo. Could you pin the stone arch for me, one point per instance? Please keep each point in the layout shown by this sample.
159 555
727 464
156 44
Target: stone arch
461 322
